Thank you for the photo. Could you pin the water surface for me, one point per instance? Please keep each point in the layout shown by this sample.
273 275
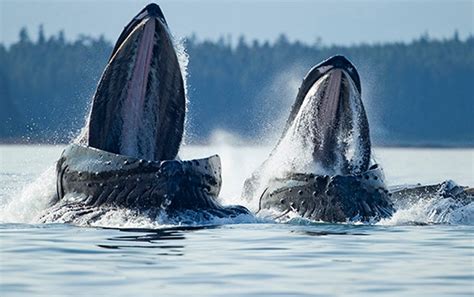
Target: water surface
408 255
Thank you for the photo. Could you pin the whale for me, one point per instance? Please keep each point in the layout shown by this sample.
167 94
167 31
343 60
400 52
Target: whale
126 157
322 167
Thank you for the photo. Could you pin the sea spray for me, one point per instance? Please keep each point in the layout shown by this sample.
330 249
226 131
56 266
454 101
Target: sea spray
274 102
26 204
183 60
432 210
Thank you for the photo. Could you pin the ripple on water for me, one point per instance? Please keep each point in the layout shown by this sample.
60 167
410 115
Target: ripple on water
408 257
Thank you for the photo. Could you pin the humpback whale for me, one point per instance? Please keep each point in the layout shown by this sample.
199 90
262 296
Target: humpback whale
322 166
126 158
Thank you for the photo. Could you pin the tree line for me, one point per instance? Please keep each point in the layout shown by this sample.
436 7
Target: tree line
416 93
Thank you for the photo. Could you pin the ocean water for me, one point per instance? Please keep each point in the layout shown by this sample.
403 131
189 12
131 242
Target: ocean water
412 254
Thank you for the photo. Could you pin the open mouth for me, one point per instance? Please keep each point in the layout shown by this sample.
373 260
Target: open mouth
139 105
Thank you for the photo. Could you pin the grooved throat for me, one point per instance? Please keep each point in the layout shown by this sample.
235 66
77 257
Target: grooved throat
132 113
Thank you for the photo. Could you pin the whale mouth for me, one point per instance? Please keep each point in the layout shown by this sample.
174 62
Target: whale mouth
139 106
328 120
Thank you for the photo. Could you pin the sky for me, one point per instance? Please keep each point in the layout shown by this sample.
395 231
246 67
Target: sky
343 22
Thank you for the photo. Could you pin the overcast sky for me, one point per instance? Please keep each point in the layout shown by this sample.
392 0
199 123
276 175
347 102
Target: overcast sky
336 22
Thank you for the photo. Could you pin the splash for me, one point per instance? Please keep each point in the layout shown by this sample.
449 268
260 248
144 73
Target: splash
351 142
274 103
433 210
128 218
183 60
27 204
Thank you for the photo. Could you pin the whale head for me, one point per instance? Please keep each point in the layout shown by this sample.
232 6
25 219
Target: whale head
326 134
138 109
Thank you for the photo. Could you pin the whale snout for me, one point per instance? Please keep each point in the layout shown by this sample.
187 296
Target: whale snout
153 10
150 12
341 63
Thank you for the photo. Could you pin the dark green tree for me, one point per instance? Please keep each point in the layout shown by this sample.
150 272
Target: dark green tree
417 93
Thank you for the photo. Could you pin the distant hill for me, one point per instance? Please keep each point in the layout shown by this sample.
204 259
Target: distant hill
416 94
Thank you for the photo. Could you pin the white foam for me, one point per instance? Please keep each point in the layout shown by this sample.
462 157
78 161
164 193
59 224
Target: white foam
126 218
24 205
435 210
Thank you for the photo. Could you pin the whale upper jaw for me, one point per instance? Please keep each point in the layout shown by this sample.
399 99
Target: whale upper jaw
139 106
329 118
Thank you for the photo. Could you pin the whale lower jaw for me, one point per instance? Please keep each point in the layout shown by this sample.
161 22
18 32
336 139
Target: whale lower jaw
91 181
338 198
